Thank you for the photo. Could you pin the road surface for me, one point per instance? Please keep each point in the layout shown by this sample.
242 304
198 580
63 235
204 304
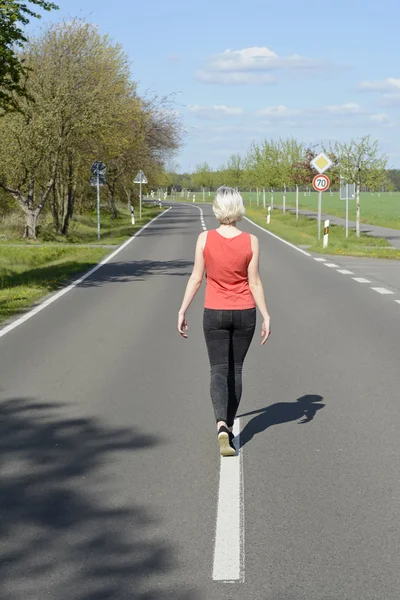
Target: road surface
110 473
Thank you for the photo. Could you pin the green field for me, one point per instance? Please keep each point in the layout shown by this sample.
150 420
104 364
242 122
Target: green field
303 233
383 210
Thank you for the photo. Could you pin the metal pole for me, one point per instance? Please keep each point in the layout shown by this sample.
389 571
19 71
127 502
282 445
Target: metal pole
347 210
297 202
358 208
98 205
319 214
140 198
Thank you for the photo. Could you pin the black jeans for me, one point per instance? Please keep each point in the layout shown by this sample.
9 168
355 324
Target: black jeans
228 334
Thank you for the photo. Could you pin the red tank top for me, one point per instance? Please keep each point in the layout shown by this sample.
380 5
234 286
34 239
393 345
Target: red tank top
226 261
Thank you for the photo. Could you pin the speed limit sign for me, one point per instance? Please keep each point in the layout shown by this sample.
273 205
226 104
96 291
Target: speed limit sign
321 183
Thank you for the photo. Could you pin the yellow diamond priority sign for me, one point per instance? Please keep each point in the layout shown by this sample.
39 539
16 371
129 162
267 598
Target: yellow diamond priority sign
321 163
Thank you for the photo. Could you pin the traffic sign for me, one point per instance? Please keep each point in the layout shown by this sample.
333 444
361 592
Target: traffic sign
321 163
347 190
140 177
98 168
93 180
321 183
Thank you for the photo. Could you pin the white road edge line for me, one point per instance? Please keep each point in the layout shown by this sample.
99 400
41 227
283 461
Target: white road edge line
345 272
278 238
382 290
58 295
229 537
361 280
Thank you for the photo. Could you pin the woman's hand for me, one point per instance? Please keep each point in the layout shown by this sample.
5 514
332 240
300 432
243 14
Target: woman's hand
265 330
182 325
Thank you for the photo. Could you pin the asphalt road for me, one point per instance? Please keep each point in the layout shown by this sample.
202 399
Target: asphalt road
109 462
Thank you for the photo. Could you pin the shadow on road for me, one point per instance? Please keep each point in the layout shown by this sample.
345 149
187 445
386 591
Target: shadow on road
63 534
303 410
139 270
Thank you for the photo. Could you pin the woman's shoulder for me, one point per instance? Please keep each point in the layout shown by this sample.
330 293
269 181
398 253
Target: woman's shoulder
202 238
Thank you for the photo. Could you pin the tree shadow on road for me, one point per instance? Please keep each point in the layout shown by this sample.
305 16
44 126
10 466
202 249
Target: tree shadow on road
303 411
138 270
63 534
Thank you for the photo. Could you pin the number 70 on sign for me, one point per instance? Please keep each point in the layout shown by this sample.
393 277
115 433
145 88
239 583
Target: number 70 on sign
321 183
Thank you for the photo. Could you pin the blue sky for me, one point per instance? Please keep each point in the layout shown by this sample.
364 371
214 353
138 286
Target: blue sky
316 71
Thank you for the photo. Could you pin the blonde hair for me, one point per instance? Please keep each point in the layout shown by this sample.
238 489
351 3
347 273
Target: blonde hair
228 205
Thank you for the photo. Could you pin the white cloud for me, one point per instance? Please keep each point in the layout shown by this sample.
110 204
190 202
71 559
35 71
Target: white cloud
332 115
252 65
351 108
380 118
210 112
283 112
278 112
235 78
391 84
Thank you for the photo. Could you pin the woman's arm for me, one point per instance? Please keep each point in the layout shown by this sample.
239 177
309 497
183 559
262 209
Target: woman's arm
257 289
197 274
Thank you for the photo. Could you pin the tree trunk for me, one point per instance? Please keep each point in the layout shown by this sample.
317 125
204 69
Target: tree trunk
70 200
31 224
111 201
55 210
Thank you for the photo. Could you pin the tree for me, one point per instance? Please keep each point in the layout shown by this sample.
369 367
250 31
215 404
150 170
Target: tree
12 68
203 176
361 163
77 83
234 171
303 172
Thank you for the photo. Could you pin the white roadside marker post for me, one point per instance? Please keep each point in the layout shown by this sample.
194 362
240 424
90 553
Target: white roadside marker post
269 215
297 202
326 233
284 199
194 197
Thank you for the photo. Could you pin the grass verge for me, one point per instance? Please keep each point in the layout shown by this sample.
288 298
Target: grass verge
30 271
304 233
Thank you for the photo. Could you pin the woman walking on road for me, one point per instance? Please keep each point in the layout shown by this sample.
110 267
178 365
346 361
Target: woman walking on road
230 258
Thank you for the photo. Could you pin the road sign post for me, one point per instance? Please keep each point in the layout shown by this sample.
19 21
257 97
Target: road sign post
321 163
140 178
98 170
347 192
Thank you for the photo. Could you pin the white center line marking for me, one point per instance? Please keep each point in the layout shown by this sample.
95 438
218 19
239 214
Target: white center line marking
345 272
320 259
229 537
361 280
398 301
331 265
382 290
